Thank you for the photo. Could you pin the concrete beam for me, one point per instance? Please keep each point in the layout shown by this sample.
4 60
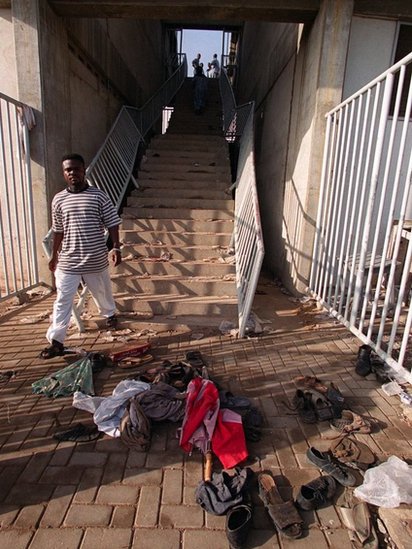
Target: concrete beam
189 10
387 9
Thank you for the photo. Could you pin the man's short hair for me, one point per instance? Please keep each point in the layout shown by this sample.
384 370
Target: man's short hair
73 156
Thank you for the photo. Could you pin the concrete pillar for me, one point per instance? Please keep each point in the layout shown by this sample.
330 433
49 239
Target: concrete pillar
318 84
43 84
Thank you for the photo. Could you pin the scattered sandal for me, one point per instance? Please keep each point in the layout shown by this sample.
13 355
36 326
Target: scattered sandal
134 361
351 423
78 433
195 359
302 402
283 513
352 452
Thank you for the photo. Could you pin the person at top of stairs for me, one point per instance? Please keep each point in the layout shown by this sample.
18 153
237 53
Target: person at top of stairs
199 90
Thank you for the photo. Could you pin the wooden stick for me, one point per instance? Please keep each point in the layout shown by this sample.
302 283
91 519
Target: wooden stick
208 466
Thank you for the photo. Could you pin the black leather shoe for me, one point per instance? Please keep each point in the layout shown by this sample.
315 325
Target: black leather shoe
316 493
363 363
238 522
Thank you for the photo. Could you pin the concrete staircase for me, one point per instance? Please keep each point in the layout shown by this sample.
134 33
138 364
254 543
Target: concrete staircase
177 227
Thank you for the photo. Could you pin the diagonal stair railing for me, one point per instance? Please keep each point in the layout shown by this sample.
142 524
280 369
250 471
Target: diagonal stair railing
238 123
112 167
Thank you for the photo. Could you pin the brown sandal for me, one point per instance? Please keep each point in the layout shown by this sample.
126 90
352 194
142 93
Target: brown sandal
351 423
284 514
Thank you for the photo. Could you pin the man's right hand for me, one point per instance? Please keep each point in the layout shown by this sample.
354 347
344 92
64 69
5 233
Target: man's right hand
53 264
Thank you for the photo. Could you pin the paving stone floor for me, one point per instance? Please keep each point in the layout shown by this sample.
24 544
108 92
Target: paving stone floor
103 495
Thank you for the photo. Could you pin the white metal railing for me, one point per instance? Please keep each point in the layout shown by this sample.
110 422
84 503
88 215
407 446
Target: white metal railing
111 168
361 269
18 257
238 127
249 248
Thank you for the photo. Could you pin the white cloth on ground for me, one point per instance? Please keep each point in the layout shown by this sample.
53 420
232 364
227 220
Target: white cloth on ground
108 411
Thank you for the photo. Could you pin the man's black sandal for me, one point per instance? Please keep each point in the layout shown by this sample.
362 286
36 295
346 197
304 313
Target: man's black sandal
55 349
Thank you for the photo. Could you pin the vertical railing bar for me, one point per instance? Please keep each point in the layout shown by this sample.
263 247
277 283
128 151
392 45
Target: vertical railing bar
10 199
394 191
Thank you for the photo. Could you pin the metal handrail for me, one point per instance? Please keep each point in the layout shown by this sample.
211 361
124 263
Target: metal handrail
111 168
238 126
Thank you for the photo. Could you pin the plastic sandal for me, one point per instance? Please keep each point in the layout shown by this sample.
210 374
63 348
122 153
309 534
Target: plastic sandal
284 514
351 423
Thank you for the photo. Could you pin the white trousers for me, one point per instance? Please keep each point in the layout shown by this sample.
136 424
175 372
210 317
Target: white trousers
67 285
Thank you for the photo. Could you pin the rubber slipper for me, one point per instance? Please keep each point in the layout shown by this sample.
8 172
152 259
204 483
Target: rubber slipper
132 362
195 359
348 450
321 405
351 423
78 433
284 514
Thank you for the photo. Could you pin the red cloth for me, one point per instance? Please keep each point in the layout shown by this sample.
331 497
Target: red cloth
228 441
204 423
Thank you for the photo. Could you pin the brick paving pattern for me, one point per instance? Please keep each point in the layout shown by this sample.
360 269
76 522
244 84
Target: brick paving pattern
102 494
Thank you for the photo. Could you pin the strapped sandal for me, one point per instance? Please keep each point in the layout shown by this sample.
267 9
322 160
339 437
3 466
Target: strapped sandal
330 391
302 402
55 349
133 362
195 359
351 423
352 452
322 406
284 514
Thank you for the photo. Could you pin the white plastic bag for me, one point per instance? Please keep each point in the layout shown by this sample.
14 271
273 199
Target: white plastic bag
387 485
108 411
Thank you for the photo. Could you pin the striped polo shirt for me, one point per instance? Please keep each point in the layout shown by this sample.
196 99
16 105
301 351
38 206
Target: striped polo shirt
82 218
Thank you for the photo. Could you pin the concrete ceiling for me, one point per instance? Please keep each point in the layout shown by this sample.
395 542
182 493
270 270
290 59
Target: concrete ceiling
190 11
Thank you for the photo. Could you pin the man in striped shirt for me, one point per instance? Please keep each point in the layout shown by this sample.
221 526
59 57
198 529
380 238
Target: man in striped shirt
80 215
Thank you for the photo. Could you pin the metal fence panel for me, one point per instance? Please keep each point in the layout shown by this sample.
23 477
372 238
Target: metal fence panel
18 258
361 269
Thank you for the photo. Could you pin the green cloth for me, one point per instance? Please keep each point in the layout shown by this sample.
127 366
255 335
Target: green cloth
76 377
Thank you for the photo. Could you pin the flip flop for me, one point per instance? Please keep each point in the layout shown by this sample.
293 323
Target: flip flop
351 451
351 423
195 359
132 362
322 406
284 514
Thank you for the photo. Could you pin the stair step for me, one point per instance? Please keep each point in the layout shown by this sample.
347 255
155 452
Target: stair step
170 284
193 175
174 238
177 304
181 213
193 168
183 137
173 225
199 194
196 146
177 155
169 184
185 162
178 202
176 252
136 267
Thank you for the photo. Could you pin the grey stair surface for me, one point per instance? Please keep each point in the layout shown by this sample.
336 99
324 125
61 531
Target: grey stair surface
177 227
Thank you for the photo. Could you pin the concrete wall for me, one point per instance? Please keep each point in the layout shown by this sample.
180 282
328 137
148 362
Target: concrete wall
295 74
76 84
8 70
367 37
